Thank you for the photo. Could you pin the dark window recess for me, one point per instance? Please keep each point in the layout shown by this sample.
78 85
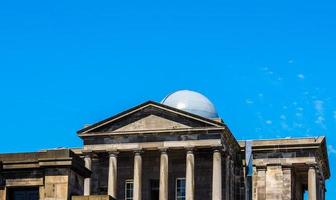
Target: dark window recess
23 193
154 186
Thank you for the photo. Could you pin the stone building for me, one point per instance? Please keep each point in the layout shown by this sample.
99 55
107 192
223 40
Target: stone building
174 150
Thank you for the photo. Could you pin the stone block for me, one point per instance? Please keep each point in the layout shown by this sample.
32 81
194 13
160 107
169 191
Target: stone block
92 197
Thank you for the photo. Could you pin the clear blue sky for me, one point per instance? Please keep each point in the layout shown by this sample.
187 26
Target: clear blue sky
269 67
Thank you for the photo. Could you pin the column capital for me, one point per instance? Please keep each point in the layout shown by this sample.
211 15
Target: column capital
311 166
113 153
138 151
190 149
163 149
87 153
217 149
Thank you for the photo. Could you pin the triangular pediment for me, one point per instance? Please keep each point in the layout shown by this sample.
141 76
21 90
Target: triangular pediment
152 122
150 116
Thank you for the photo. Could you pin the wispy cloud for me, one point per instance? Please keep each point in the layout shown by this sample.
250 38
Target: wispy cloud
269 122
331 149
283 117
249 101
301 76
319 108
299 114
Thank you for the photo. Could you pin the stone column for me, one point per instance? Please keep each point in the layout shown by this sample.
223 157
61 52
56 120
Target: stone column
87 181
217 175
137 179
312 183
164 175
112 175
190 184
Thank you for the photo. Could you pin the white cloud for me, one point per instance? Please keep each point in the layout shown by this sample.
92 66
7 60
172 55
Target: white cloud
290 61
320 120
298 125
249 101
319 106
300 109
269 122
335 114
331 149
301 76
283 117
299 114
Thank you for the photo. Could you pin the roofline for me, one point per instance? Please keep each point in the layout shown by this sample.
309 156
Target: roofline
147 103
312 142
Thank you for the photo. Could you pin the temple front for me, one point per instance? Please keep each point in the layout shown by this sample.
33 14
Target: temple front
179 149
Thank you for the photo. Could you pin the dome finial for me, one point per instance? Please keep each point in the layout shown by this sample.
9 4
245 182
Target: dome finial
192 102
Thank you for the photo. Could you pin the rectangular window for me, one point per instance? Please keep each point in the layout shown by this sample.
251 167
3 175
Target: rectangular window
129 190
180 189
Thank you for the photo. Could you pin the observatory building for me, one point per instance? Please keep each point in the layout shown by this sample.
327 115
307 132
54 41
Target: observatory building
178 149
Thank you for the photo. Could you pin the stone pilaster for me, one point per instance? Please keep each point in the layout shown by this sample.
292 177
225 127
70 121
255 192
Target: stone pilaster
137 178
163 175
254 184
261 183
274 182
112 175
312 183
287 183
190 184
217 175
2 193
87 181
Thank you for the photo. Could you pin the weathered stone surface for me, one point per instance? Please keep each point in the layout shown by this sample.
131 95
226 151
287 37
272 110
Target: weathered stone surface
92 197
274 182
261 184
2 193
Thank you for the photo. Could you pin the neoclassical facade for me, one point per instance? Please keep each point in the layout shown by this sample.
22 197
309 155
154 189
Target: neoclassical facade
178 149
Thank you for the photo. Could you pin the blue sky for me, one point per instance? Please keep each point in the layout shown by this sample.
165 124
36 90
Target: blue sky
269 67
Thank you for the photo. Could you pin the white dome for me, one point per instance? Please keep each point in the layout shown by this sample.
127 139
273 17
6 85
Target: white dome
192 102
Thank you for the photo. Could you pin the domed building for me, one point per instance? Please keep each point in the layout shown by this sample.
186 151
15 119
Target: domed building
178 149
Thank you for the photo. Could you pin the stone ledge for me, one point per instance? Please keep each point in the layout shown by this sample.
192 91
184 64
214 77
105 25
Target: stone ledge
92 197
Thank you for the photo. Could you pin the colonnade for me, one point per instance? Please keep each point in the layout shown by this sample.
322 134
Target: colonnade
163 195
